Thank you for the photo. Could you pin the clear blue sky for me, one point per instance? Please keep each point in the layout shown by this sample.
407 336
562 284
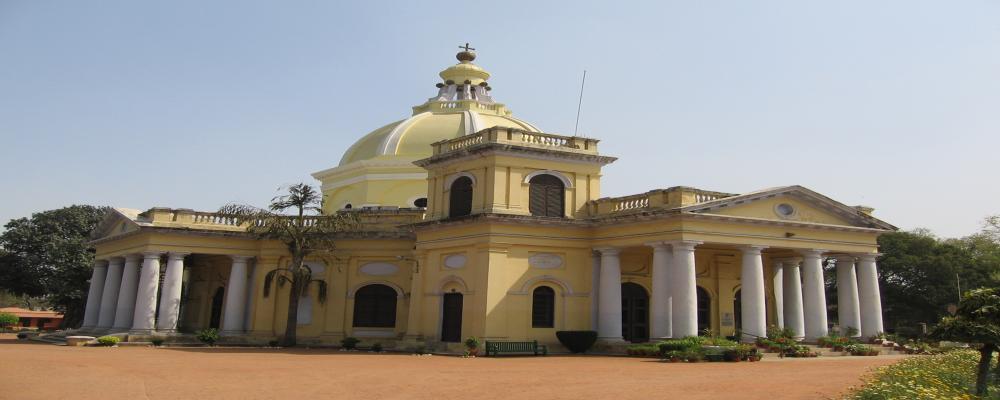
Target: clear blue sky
892 104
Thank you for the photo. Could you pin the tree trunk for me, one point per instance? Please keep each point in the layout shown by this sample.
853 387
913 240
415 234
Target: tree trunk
292 322
983 371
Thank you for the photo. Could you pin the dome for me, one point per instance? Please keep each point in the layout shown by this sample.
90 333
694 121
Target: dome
378 169
463 106
412 137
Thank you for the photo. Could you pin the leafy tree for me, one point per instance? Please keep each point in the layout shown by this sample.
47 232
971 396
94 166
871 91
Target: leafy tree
47 256
306 231
977 321
7 319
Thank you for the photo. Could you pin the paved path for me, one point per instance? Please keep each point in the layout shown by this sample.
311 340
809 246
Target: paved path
42 371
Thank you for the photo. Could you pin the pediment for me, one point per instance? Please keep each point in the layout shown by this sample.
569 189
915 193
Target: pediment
116 222
790 204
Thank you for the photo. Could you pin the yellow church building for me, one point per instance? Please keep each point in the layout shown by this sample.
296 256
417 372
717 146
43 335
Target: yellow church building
476 223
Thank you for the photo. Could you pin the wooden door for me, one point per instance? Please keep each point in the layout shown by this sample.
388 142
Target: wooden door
635 313
451 320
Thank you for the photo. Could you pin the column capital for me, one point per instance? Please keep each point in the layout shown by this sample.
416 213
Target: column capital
812 253
241 259
608 251
844 258
684 245
658 245
148 255
174 255
116 260
870 257
752 249
100 263
133 257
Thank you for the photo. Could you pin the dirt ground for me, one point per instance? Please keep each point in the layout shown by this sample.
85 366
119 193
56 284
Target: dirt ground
43 371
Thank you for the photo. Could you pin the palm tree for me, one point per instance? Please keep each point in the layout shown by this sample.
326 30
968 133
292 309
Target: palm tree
297 220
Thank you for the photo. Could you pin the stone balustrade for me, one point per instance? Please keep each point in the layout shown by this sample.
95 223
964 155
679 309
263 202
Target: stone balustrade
518 137
678 196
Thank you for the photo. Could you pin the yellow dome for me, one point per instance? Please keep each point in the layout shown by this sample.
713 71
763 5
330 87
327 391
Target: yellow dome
412 137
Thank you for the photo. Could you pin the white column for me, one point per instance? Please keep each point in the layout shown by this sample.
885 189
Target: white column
145 299
125 309
848 308
777 284
236 291
814 294
109 298
170 297
92 312
660 302
752 294
595 291
870 298
609 316
792 293
684 288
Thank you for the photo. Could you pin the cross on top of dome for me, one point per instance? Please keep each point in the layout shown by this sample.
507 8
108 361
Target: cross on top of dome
467 55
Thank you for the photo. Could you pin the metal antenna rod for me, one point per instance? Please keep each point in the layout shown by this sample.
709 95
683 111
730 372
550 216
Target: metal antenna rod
580 104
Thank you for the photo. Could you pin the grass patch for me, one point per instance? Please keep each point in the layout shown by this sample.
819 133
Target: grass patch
950 375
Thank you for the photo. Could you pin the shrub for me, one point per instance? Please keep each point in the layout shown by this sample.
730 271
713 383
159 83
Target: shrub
861 350
156 341
472 343
7 320
349 343
740 352
643 350
272 343
377 347
420 350
22 335
688 343
577 341
108 340
208 336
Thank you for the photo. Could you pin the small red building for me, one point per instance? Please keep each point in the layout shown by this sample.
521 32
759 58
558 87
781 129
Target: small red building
41 320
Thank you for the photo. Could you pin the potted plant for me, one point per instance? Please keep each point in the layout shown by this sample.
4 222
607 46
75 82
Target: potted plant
349 343
472 346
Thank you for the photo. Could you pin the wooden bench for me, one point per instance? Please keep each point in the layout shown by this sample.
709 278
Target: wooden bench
494 348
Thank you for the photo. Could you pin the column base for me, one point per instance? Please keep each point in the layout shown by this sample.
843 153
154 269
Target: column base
232 333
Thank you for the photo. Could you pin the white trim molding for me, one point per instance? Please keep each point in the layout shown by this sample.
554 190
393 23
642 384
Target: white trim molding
566 181
453 177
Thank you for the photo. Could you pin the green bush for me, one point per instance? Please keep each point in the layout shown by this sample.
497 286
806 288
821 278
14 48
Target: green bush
7 320
472 343
208 336
22 335
688 343
377 347
421 349
349 343
272 343
108 340
156 341
577 341
643 350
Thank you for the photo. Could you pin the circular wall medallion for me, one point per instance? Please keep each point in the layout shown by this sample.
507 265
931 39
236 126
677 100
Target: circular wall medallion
784 210
379 269
455 261
545 261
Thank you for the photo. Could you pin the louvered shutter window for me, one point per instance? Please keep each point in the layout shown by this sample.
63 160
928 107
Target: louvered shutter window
461 197
546 196
543 307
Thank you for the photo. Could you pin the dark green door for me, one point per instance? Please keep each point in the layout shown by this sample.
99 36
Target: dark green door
635 313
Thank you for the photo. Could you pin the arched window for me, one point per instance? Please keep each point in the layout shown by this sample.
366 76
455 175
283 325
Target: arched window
704 310
375 307
543 307
546 196
461 197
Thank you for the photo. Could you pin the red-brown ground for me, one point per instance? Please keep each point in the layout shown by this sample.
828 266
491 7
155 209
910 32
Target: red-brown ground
42 371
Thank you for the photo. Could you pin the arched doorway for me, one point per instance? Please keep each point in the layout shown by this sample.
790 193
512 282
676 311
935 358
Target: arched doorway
451 318
704 310
635 313
216 315
375 307
460 197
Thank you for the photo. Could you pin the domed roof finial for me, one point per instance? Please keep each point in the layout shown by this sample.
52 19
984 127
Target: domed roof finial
467 55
